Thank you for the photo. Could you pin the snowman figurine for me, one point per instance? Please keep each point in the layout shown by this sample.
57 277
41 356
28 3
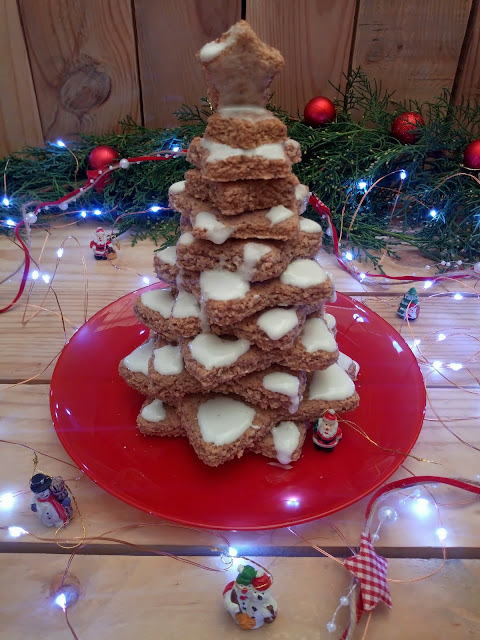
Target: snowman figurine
50 501
326 432
248 598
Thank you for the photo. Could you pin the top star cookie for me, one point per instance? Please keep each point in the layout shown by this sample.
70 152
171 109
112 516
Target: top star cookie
239 68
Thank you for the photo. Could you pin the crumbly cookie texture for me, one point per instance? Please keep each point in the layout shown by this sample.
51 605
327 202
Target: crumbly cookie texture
257 260
255 388
255 427
158 419
266 447
168 326
253 359
239 67
232 198
222 163
245 128
258 296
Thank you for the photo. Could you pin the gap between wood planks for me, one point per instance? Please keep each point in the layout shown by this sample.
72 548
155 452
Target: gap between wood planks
92 549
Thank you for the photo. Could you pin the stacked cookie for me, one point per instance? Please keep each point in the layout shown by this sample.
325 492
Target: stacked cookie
242 355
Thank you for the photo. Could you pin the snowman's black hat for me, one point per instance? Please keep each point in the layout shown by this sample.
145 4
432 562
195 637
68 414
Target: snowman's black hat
40 482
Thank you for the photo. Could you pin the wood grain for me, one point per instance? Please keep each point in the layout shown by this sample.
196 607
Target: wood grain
19 117
124 596
314 37
169 35
25 418
467 80
43 337
411 47
84 64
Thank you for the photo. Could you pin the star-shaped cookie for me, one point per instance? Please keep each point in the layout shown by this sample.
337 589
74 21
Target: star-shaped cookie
239 68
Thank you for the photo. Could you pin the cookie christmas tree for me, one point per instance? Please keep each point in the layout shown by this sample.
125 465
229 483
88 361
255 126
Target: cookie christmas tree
242 355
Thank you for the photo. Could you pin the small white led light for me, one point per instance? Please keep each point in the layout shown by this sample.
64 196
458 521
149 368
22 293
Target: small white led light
458 296
403 174
10 222
83 214
433 213
46 278
155 208
16 532
6 202
441 336
362 184
436 364
441 533
60 252
427 284
146 280
60 143
97 212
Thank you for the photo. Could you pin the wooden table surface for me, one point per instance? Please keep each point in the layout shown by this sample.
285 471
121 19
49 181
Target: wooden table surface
125 592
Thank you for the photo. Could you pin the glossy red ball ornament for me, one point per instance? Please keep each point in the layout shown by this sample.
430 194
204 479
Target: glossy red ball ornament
404 127
471 155
102 156
318 111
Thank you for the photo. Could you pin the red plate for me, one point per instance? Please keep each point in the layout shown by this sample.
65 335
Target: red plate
94 414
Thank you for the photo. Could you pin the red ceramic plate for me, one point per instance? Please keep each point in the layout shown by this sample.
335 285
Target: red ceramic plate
94 414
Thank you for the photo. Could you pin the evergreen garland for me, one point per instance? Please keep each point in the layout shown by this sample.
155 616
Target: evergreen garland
357 148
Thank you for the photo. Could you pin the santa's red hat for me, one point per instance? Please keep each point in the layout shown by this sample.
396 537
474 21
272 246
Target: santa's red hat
100 230
330 415
262 582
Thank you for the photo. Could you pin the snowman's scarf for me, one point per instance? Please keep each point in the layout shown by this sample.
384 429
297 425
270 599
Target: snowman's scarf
62 514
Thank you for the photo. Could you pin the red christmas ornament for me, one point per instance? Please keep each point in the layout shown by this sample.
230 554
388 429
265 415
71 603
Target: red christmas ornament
404 127
318 111
102 156
471 155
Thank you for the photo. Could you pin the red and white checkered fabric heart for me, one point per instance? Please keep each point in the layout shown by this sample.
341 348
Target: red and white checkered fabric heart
371 571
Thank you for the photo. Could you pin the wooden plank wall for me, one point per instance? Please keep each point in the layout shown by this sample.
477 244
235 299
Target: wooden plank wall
72 66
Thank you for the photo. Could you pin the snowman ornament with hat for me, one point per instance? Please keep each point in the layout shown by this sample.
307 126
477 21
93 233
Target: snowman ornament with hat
51 500
248 598
326 432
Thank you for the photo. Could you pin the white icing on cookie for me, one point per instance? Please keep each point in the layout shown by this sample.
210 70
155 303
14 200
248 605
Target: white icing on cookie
223 420
333 295
186 306
303 273
218 151
219 284
286 437
276 323
309 226
284 383
331 384
302 192
253 252
160 300
154 412
186 238
346 362
213 49
278 214
177 187
315 336
330 321
211 351
217 232
137 361
168 361
168 255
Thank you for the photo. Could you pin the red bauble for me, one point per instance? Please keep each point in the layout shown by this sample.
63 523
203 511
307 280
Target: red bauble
318 111
102 156
404 127
471 155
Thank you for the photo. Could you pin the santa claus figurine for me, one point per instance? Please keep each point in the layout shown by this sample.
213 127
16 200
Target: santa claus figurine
51 500
248 598
101 246
326 432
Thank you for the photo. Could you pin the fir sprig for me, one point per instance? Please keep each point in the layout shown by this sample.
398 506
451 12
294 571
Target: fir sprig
357 147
